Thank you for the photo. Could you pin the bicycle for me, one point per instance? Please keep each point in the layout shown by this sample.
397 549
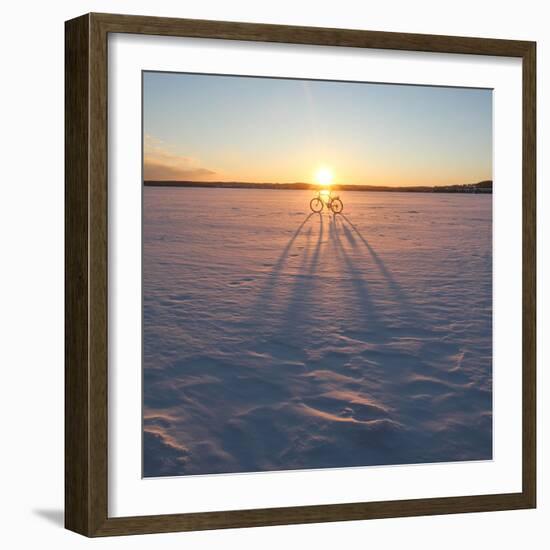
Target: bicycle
325 198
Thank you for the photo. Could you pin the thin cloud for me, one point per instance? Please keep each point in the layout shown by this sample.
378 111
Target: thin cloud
159 163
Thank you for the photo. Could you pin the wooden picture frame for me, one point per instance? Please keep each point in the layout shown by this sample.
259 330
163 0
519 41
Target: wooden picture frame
86 281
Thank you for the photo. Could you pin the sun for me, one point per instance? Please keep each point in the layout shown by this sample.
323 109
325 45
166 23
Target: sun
324 176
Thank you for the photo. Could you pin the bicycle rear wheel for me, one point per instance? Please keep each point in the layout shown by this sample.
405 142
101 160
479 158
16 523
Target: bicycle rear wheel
316 205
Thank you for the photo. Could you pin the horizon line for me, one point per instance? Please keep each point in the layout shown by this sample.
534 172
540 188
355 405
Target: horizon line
479 185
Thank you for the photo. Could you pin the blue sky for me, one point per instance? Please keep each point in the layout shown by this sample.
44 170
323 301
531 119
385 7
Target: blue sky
228 128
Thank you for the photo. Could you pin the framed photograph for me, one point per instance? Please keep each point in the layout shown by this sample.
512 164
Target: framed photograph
300 274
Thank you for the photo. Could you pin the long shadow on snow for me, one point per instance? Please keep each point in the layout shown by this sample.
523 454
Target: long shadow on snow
266 293
302 288
361 288
392 283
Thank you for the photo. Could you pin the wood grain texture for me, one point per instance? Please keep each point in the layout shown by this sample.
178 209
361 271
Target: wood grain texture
529 274
77 458
164 26
86 278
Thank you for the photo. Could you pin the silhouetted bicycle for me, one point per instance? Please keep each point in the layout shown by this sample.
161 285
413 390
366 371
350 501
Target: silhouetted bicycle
325 198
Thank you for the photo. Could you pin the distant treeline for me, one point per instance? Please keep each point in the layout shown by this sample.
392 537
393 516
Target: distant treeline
480 187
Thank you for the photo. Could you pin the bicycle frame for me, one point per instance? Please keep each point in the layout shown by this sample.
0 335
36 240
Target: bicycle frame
327 199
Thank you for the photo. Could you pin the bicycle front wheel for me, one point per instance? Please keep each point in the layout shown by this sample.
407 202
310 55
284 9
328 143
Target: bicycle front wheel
316 205
337 206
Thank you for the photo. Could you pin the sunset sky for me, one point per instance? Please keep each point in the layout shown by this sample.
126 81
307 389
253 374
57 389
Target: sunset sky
225 128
